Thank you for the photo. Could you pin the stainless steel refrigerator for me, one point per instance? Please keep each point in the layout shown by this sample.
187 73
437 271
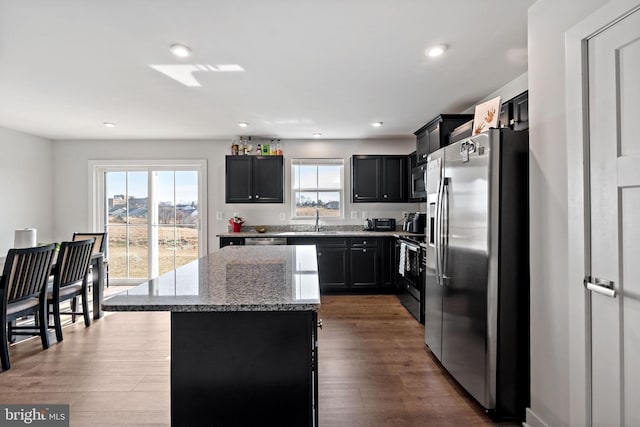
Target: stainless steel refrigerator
477 267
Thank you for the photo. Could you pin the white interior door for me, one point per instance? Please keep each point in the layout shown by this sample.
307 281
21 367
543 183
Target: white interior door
614 229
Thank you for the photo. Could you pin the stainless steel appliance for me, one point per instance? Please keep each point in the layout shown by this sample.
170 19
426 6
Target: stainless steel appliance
258 241
418 188
477 268
380 224
409 275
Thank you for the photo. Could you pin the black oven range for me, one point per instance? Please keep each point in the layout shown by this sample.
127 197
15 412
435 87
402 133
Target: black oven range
409 274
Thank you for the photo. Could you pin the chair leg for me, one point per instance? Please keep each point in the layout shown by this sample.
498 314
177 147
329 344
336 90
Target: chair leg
85 308
56 320
12 339
44 327
74 306
4 347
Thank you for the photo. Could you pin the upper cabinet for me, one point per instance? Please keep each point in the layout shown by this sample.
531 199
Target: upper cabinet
254 179
514 113
379 178
435 134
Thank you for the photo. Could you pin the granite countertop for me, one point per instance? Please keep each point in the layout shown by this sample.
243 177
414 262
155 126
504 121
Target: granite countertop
236 278
328 233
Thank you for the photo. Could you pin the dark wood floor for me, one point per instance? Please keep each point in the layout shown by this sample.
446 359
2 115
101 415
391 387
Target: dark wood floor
374 370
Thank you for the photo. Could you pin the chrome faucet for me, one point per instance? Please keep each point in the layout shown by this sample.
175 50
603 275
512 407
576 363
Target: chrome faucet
317 219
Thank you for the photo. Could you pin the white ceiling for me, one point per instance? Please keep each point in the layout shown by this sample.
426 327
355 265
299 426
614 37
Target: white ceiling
329 66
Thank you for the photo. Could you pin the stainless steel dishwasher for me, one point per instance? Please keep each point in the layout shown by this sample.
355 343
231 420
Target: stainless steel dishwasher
255 241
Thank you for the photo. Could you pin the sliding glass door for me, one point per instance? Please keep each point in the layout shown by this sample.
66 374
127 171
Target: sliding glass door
152 217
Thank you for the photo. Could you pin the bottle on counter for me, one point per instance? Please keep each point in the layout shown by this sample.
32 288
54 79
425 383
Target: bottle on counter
234 148
273 149
279 148
265 149
259 150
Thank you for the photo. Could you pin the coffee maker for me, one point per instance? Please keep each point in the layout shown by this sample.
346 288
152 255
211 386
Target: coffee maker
415 222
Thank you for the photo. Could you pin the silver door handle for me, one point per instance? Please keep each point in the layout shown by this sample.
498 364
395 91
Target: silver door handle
601 286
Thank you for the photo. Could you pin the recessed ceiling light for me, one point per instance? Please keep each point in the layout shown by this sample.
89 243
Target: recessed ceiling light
243 124
317 135
109 124
376 124
180 50
435 51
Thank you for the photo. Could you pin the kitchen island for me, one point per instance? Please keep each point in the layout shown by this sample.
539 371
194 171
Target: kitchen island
243 335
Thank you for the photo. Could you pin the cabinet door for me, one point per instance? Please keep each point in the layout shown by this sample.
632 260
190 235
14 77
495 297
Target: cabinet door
422 145
434 137
394 181
388 261
366 172
238 179
268 184
332 268
365 267
521 112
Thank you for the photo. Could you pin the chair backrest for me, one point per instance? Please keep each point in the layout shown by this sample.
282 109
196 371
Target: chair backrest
26 272
100 243
72 263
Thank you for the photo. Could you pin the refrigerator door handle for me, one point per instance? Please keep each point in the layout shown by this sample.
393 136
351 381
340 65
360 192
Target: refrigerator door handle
437 240
438 237
444 230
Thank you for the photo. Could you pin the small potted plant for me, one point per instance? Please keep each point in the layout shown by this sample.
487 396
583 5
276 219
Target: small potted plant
236 224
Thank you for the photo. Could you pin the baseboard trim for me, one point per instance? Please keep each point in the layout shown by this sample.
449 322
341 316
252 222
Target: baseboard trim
533 420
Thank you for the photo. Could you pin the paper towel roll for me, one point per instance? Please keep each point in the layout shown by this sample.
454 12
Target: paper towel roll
25 238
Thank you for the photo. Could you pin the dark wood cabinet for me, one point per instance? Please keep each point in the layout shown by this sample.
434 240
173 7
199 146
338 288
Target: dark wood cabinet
514 113
378 178
254 179
353 265
333 261
435 134
365 262
389 263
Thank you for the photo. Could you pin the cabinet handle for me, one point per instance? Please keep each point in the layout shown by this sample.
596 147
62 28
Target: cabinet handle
364 250
249 197
319 253
385 196
257 196
356 195
364 242
320 323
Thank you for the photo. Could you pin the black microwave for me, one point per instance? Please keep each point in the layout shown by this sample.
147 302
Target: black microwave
418 184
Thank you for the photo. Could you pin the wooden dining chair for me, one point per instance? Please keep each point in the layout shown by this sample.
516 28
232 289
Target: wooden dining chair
70 279
23 289
100 245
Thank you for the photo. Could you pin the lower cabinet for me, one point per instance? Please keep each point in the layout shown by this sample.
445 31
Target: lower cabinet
352 264
365 260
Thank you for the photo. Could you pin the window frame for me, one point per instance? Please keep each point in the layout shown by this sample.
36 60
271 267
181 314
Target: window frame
97 196
317 162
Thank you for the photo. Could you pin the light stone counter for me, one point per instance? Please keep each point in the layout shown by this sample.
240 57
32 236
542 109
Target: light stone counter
237 278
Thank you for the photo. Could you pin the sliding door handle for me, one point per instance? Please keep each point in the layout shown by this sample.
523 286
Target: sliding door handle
601 286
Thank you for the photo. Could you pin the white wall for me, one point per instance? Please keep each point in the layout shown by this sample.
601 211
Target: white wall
71 206
509 90
550 359
26 186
